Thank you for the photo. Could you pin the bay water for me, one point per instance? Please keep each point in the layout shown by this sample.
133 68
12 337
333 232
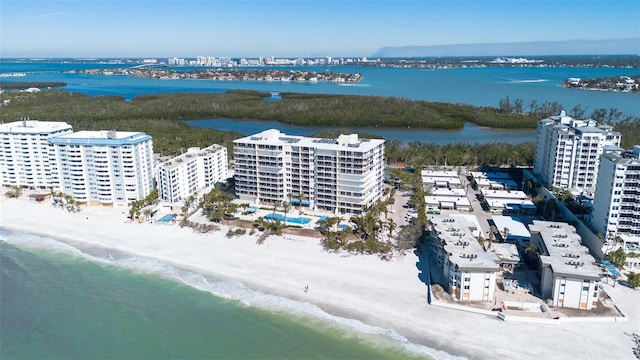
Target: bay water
479 86
62 302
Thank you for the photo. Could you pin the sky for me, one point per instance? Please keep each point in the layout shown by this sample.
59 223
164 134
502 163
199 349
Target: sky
300 28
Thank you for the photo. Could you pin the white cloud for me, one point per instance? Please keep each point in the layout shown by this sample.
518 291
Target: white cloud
49 15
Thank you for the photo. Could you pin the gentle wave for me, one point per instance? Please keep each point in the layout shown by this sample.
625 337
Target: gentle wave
527 81
225 289
354 85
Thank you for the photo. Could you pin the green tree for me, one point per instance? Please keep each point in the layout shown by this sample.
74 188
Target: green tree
617 258
634 279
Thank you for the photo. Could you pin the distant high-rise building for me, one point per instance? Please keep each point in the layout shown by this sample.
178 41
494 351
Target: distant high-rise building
617 198
568 151
27 158
183 175
342 175
109 168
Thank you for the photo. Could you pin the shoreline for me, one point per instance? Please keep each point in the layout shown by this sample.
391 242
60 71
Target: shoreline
385 294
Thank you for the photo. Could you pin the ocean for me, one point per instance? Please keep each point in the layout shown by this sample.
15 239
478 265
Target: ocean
62 302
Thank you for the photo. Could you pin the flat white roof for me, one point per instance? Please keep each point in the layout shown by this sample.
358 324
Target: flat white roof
496 183
439 173
448 192
516 228
490 175
471 219
436 200
99 134
567 256
192 154
506 252
461 245
441 180
505 203
349 142
503 194
33 126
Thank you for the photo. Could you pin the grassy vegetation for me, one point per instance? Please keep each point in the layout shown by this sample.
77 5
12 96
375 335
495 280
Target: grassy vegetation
300 109
159 115
25 85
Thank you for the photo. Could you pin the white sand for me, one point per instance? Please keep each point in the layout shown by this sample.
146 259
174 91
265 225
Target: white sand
388 294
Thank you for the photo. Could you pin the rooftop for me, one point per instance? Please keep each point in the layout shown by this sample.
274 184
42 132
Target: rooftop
507 253
101 138
192 154
565 253
490 175
462 246
33 126
436 174
503 194
516 228
343 142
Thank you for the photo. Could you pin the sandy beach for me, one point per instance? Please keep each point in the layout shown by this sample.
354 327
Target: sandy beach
387 294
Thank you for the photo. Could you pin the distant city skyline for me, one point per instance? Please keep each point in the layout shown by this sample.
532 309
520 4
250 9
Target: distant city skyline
305 28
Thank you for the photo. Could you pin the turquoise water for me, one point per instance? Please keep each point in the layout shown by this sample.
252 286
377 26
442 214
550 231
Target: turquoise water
167 218
474 86
295 220
62 303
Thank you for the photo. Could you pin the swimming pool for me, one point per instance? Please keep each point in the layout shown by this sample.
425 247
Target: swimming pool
166 219
295 220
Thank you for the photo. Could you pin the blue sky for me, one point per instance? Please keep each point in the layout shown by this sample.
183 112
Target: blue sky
251 28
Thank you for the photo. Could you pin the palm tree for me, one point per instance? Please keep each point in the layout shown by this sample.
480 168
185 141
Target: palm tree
492 236
147 214
491 239
505 233
285 206
380 227
391 226
532 253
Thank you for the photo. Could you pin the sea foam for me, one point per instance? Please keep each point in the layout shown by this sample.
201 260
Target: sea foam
221 288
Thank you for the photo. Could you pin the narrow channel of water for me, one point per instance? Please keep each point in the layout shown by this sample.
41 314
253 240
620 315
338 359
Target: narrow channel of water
471 133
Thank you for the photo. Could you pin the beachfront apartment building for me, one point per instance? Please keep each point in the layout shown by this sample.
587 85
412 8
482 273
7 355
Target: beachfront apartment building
568 152
616 205
342 175
181 176
569 275
108 168
468 271
26 158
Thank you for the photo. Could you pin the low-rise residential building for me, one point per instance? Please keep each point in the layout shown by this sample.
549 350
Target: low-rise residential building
196 169
108 168
493 180
569 276
468 270
343 175
441 179
505 201
26 157
443 199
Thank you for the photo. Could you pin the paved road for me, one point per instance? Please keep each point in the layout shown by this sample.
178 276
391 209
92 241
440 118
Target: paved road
482 216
